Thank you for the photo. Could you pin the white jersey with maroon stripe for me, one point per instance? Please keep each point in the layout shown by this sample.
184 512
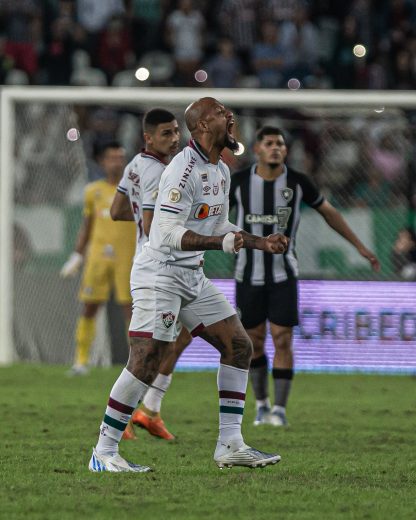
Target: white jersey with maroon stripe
140 183
193 193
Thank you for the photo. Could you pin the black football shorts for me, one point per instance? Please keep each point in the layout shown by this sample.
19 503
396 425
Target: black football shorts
275 302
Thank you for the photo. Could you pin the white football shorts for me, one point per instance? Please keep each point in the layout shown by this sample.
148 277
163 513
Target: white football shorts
164 294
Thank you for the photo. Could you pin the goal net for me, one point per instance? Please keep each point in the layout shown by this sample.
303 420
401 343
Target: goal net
358 148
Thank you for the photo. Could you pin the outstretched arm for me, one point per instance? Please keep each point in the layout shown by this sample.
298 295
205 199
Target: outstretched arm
337 222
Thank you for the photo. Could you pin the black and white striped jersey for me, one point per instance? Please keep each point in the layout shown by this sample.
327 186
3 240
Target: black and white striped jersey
266 207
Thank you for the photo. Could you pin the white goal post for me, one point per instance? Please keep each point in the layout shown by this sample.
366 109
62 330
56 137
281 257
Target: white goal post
148 97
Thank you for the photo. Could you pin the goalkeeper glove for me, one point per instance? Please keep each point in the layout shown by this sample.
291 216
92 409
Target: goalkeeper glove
72 265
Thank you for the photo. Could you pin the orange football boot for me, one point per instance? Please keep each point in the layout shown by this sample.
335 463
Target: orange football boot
128 434
154 425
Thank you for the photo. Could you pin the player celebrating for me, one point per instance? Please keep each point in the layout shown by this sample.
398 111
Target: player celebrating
268 197
135 199
191 216
108 250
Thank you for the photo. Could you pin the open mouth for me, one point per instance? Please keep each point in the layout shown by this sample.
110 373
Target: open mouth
230 128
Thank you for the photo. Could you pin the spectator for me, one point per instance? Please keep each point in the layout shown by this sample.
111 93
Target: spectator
57 57
404 254
238 20
224 68
146 25
6 61
300 38
185 33
114 49
268 57
21 20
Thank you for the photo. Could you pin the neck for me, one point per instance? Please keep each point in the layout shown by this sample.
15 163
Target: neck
151 151
212 151
268 172
113 179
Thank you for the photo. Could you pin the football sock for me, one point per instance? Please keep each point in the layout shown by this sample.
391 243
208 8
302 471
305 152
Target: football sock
124 397
259 378
84 336
153 398
282 378
232 387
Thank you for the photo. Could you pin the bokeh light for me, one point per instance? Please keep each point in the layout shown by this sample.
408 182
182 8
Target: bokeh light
142 74
359 50
73 134
293 84
201 76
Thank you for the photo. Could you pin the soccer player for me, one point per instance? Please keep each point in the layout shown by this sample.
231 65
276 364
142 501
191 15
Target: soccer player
268 196
108 250
191 216
135 199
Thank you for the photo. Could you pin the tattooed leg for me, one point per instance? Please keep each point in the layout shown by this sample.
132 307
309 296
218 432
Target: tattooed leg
231 340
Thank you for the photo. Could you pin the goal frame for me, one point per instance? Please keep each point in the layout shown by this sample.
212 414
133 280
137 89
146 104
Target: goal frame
242 98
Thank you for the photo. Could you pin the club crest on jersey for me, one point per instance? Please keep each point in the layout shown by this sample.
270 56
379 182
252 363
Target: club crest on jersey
287 194
215 189
174 195
204 211
168 319
155 194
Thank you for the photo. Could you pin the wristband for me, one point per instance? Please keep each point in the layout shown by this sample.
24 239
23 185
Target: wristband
228 243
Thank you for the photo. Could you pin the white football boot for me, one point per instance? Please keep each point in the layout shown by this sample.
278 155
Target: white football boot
237 453
114 464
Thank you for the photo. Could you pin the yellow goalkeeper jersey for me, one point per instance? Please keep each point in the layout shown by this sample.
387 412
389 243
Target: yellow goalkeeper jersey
108 239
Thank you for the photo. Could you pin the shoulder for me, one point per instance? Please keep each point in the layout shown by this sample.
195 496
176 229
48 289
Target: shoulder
240 176
299 177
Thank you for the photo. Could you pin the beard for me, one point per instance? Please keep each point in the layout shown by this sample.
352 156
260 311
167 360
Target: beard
231 143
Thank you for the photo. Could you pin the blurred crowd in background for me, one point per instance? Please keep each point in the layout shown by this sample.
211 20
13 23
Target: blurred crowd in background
236 43
359 160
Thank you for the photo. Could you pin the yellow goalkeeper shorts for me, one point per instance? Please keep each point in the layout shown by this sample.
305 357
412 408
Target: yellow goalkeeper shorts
103 275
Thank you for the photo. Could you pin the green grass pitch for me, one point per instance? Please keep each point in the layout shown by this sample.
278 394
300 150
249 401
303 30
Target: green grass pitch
349 453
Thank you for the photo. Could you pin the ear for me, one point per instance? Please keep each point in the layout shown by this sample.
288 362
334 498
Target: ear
147 138
202 125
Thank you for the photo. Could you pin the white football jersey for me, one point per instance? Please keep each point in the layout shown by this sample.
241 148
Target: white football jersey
140 183
194 194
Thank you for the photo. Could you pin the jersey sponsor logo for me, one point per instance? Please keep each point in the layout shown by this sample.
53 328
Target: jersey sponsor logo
174 195
168 319
215 189
204 211
281 217
134 177
287 194
187 172
204 177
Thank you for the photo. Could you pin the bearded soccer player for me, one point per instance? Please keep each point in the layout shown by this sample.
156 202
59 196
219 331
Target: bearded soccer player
135 200
191 216
268 196
107 248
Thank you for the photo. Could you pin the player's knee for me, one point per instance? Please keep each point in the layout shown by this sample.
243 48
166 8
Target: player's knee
283 341
242 351
144 359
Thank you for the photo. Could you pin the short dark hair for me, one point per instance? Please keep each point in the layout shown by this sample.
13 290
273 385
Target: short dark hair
268 130
99 148
155 117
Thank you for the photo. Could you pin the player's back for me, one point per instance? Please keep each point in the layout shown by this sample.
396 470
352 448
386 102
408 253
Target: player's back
108 238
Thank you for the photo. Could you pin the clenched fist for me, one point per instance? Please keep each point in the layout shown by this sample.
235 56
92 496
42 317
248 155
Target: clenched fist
276 243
